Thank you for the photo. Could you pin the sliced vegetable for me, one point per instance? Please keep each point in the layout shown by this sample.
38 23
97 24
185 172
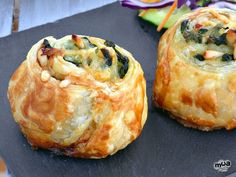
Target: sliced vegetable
156 16
136 4
165 13
203 3
211 54
172 8
192 4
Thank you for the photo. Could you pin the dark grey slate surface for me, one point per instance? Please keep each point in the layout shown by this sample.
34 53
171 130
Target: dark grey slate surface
34 12
164 149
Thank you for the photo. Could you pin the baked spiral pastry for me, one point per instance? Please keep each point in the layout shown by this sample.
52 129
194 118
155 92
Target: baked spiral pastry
196 71
79 95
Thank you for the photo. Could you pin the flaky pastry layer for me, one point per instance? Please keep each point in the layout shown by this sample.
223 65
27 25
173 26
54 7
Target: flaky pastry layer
79 95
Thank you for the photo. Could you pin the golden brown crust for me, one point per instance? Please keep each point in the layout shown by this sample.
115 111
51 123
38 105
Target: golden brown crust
197 97
186 97
206 100
78 116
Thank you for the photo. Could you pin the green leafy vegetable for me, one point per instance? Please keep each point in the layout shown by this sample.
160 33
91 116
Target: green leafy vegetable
156 16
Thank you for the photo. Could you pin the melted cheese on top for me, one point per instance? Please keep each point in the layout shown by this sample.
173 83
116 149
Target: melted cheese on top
188 49
90 56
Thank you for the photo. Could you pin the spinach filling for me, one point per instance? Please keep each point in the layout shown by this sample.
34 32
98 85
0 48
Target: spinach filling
107 57
218 39
199 57
215 37
207 38
46 44
75 56
123 61
70 45
75 60
189 34
123 64
109 44
227 57
88 42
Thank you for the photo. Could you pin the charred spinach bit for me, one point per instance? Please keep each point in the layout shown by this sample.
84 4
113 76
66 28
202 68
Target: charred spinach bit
123 61
72 60
218 40
191 36
123 64
185 30
227 57
123 67
46 44
107 57
203 31
109 44
199 57
184 26
197 38
226 28
91 45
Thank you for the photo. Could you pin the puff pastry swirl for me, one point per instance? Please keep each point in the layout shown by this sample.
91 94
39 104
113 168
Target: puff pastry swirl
196 70
79 95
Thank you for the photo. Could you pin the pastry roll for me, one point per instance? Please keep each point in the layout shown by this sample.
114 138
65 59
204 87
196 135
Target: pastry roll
81 96
196 71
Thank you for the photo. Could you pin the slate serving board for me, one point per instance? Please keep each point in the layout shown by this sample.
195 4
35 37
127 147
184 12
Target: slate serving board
165 147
